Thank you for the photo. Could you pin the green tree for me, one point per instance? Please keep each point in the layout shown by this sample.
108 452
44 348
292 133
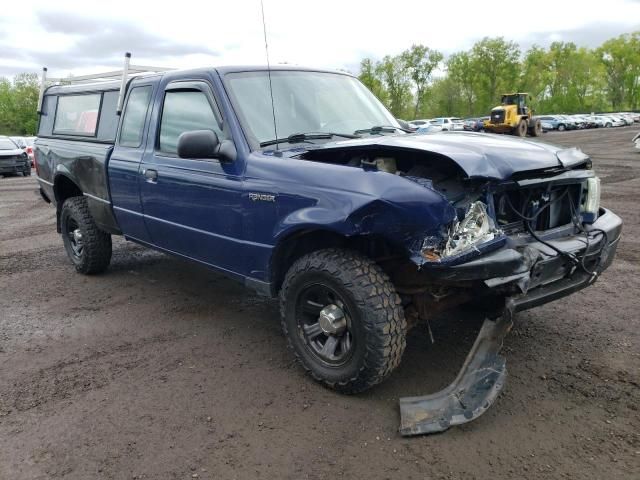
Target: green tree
461 69
18 103
369 77
497 63
586 81
621 59
393 73
420 62
534 77
26 92
445 99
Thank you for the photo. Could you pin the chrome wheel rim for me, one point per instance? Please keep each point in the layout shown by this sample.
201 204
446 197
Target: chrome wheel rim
76 240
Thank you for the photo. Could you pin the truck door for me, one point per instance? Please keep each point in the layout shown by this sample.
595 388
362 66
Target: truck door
125 161
191 206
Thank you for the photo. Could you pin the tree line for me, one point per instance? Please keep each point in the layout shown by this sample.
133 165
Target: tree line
18 104
563 78
421 83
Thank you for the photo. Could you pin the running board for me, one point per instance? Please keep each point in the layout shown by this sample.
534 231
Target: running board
472 392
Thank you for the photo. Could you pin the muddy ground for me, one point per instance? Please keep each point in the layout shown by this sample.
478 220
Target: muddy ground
161 369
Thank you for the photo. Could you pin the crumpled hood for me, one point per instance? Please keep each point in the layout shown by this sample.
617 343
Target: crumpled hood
480 155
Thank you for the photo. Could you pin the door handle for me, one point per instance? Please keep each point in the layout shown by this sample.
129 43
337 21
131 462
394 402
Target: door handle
151 175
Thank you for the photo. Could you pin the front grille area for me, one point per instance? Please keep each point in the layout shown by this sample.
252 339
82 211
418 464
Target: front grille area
497 116
550 205
11 159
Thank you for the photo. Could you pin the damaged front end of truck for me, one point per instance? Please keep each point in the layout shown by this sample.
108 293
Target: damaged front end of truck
516 224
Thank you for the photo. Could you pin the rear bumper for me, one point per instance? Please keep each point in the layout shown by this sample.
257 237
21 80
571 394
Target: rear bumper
535 274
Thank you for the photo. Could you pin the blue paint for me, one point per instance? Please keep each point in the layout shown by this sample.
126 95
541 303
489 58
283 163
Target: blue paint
208 210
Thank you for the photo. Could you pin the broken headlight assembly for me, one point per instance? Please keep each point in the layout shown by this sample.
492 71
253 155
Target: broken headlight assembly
591 204
465 236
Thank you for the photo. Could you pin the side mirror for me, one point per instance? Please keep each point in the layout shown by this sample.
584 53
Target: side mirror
198 144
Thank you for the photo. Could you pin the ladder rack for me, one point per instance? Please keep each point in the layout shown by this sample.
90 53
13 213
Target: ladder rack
124 74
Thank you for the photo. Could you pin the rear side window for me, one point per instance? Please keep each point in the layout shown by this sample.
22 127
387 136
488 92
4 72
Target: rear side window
134 116
183 111
77 114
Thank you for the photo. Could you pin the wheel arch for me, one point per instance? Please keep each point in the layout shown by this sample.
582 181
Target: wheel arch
301 242
63 188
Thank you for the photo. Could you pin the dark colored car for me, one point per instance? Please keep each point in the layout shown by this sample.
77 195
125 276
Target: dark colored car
359 229
13 159
474 124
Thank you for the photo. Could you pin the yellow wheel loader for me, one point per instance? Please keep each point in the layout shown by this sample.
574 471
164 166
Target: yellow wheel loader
515 116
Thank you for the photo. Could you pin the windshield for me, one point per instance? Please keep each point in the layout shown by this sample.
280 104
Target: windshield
304 102
6 144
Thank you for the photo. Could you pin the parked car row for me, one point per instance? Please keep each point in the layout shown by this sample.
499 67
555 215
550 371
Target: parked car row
439 124
548 122
579 121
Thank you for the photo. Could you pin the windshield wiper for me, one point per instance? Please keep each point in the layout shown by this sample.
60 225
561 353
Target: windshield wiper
382 128
305 137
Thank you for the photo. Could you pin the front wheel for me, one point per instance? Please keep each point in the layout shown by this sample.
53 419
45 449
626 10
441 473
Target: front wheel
343 319
26 172
521 129
88 247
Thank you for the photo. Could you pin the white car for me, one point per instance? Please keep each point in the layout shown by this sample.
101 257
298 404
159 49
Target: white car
419 122
610 121
448 123
599 121
635 116
628 119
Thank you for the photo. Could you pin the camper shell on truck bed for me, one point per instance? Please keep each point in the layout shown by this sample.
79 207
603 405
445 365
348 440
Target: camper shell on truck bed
93 134
360 229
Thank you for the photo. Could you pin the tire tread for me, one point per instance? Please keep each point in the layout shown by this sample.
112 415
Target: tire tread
97 243
380 308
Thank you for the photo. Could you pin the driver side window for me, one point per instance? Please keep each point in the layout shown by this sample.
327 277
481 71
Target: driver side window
183 111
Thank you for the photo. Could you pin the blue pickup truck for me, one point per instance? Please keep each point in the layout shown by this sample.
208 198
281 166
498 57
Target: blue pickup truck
301 185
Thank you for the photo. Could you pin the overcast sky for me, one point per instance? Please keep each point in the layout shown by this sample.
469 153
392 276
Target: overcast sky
84 36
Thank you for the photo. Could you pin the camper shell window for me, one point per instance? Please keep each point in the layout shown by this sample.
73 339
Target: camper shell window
78 114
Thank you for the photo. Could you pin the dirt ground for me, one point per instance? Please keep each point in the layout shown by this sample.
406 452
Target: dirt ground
162 369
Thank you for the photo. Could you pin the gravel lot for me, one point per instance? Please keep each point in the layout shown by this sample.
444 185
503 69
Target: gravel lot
161 369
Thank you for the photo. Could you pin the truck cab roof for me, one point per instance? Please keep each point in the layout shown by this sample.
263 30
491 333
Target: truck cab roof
102 86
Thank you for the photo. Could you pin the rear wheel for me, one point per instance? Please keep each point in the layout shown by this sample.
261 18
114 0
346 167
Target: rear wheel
88 247
521 129
343 319
535 129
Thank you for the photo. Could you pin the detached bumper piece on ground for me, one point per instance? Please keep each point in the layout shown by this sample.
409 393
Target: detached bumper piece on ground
472 392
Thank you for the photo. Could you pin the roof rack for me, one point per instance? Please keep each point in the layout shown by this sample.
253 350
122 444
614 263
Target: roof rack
127 70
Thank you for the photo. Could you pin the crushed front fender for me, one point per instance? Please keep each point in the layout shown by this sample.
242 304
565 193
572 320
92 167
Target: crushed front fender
473 391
